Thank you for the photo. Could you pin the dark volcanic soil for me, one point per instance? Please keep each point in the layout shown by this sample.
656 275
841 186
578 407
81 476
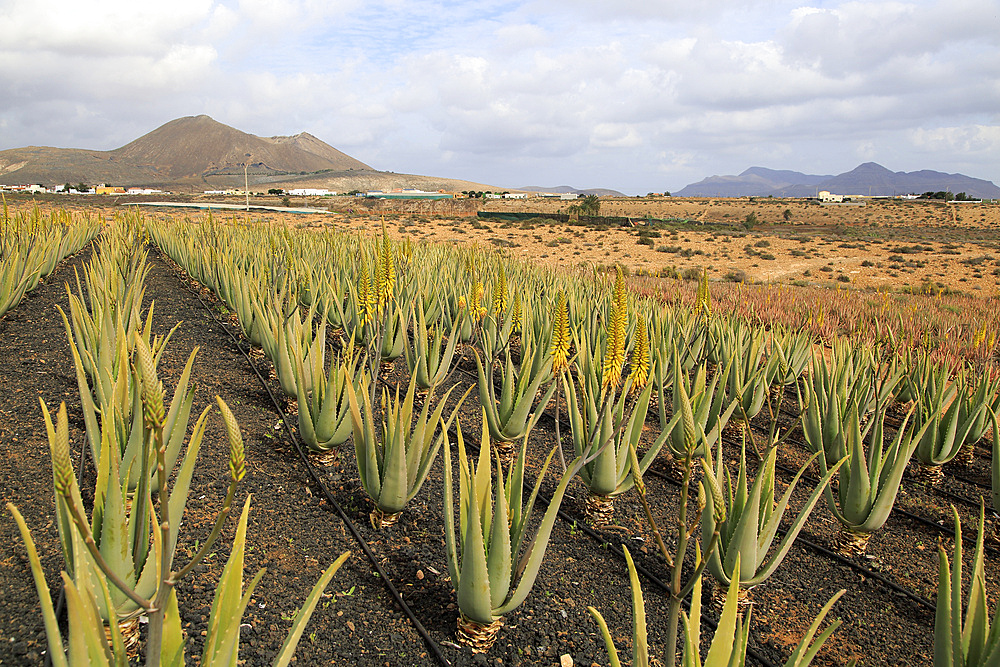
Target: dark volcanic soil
295 534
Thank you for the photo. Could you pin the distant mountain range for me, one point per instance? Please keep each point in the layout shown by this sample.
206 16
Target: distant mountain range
866 179
198 152
567 189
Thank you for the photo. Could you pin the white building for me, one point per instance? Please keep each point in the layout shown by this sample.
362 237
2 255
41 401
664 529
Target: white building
826 195
310 192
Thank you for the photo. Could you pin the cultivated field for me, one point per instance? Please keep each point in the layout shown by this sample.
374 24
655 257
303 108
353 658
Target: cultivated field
644 348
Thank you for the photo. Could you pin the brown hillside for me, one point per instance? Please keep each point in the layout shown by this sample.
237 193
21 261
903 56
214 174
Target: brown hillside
182 154
199 146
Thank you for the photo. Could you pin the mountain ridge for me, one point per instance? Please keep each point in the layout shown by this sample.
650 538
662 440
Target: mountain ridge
197 152
868 178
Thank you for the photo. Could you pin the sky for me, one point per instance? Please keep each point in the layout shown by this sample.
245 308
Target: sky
634 95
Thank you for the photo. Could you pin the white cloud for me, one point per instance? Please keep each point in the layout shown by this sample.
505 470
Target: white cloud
488 89
967 140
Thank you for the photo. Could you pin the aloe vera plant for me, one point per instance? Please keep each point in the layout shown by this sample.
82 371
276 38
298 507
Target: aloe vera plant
983 398
86 642
729 642
851 379
964 637
491 575
870 480
324 412
752 519
429 358
510 417
393 470
938 414
603 431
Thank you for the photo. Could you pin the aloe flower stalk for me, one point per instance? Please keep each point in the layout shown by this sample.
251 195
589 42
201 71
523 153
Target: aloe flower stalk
560 335
614 351
393 470
752 519
710 406
491 575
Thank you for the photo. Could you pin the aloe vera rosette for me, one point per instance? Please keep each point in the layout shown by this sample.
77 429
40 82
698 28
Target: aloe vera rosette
869 481
729 642
393 470
752 519
491 575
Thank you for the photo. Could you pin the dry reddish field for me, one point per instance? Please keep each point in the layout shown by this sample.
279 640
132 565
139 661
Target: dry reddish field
883 244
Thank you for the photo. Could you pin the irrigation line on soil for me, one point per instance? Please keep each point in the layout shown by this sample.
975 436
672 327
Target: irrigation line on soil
943 528
864 571
968 480
394 593
820 549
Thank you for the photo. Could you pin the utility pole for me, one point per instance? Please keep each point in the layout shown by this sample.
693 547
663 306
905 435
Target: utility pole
246 183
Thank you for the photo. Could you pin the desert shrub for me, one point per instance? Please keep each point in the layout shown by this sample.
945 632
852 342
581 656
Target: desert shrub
669 272
826 269
692 273
767 256
895 258
735 276
867 262
797 252
844 278
645 240
763 243
908 249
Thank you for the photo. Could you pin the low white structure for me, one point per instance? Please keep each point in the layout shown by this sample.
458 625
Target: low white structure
826 195
310 192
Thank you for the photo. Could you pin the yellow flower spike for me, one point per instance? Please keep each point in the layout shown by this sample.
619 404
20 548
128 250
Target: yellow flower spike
639 374
500 293
614 354
560 335
477 292
517 311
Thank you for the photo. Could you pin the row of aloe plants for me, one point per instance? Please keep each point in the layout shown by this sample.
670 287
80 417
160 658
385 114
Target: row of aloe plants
119 557
374 291
32 244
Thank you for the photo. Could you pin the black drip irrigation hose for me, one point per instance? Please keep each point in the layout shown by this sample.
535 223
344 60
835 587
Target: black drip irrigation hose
971 482
393 592
943 528
818 548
